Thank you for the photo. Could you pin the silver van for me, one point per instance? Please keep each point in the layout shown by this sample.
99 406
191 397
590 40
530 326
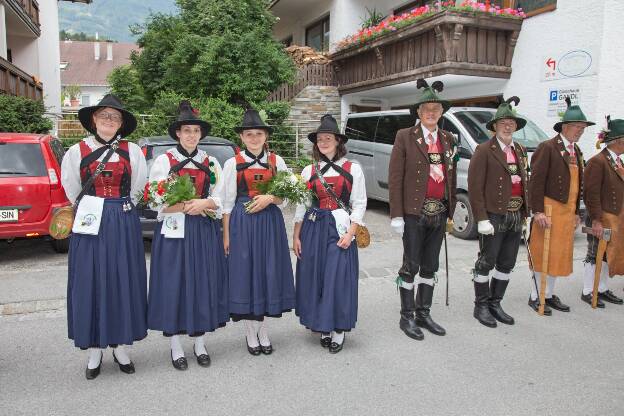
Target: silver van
371 136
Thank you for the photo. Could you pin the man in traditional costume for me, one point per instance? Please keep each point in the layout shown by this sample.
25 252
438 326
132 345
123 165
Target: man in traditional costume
422 185
604 195
556 181
497 188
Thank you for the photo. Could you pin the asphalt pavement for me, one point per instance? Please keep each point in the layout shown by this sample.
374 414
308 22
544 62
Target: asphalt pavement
566 364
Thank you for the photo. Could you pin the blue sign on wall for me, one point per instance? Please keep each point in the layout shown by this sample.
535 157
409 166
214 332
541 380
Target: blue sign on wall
554 94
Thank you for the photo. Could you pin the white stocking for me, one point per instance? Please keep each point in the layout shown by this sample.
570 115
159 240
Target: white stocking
176 348
251 332
121 355
95 358
263 335
338 338
588 278
200 346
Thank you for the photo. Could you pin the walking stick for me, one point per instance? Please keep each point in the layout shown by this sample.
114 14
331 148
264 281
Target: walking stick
526 244
447 271
542 292
602 247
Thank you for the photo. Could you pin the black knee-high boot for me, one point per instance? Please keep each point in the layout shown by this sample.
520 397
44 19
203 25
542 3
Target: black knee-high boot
408 309
497 292
481 308
424 298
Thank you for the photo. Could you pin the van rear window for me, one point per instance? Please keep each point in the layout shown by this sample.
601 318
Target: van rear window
21 159
361 128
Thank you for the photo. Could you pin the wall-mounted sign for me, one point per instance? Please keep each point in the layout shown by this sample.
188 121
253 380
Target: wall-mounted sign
556 100
571 64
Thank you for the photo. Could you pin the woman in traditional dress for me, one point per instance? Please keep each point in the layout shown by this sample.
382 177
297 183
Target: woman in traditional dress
323 240
107 285
261 280
188 272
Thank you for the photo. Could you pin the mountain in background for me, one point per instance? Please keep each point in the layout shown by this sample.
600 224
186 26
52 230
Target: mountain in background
110 18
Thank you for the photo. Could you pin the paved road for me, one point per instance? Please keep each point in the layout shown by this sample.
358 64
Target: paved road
567 364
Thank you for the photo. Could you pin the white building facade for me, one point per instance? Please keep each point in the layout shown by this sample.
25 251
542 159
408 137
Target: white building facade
564 47
29 51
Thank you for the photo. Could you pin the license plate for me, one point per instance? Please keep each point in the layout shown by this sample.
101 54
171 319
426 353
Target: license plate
8 215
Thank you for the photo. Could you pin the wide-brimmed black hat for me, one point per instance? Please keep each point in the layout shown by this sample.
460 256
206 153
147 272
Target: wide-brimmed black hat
85 115
328 125
251 121
187 116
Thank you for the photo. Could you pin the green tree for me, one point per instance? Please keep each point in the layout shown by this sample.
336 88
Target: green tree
217 53
23 115
213 48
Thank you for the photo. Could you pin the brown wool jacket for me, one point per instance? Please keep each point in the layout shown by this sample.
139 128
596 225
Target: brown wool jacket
408 172
550 174
489 179
604 186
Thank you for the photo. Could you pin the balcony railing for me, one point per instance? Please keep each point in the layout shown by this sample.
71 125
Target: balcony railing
317 75
448 42
28 10
14 81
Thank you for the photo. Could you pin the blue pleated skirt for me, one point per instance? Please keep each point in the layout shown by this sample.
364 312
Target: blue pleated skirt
188 279
107 285
261 280
327 276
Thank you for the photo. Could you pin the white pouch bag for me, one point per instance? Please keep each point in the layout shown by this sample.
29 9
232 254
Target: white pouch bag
173 225
88 215
343 222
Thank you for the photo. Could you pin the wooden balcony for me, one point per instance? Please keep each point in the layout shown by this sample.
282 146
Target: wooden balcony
28 10
14 81
317 75
447 42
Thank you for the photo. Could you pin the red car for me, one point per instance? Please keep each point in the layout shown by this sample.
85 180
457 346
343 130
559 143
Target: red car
30 186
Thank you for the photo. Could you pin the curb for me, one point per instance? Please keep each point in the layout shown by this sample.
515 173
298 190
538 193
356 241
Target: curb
20 308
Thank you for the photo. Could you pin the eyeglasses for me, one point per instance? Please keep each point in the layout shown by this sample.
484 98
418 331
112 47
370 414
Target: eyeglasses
109 116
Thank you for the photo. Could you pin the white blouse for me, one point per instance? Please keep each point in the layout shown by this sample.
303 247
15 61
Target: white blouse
161 167
229 178
358 190
70 168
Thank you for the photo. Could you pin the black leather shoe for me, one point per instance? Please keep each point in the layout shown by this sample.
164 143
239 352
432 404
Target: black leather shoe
408 309
497 293
202 359
253 350
588 299
266 350
610 297
422 317
481 309
534 304
92 373
556 303
325 341
125 368
179 364
335 348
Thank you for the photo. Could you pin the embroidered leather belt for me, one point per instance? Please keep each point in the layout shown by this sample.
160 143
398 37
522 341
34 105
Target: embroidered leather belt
515 203
433 207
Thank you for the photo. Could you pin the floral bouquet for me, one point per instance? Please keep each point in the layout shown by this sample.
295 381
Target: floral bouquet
170 191
285 185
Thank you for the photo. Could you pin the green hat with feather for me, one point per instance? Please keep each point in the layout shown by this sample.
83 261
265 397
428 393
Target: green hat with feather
506 111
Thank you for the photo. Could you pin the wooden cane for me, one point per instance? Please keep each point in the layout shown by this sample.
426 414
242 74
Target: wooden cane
546 252
602 247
